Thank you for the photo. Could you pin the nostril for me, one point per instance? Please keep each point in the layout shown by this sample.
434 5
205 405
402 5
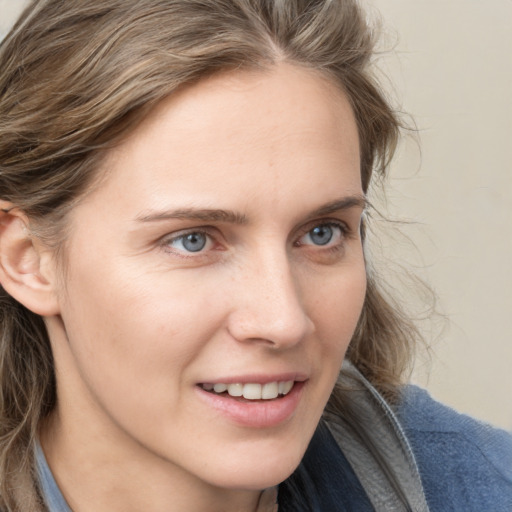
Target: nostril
275 333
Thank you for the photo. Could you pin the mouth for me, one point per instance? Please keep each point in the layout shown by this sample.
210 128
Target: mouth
253 404
250 390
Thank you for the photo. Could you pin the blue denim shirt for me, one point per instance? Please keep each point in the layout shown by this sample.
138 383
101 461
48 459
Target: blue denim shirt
49 488
465 466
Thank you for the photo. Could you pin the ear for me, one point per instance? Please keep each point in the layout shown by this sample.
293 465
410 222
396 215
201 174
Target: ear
26 266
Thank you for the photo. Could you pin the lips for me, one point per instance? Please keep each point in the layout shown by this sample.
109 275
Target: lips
251 390
254 401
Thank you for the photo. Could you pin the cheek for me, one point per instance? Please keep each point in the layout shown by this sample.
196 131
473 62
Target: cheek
131 348
149 325
337 305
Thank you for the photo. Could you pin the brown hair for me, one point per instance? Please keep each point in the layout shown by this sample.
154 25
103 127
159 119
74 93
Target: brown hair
76 75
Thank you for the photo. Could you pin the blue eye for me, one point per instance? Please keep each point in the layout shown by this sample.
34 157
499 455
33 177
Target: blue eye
190 242
323 235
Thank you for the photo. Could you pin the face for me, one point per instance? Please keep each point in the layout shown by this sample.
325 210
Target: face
221 251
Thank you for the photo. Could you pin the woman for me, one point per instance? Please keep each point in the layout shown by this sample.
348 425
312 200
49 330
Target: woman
184 186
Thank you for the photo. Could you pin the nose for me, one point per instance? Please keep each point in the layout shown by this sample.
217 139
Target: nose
268 306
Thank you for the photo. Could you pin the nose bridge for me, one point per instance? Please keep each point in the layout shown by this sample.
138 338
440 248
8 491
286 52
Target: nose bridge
270 306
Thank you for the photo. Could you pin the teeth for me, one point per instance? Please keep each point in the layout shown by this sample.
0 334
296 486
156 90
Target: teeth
287 386
252 391
235 389
270 390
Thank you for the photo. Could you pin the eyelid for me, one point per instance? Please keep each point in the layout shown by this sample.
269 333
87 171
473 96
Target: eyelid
165 241
343 226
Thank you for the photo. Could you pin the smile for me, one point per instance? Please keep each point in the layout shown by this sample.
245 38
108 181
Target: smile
251 390
254 404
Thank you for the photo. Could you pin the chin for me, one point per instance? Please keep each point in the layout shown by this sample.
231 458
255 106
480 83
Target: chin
260 470
255 480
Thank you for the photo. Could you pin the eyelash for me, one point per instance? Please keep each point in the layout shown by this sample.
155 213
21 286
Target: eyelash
166 242
343 228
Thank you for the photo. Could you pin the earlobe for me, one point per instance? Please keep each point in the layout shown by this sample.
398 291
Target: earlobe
22 273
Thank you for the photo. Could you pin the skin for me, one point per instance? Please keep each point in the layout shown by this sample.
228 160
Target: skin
139 321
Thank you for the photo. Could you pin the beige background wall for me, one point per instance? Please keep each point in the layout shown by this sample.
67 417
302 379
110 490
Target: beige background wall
9 9
452 70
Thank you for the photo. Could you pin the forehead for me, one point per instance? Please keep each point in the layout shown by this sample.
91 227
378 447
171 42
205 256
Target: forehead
241 131
248 104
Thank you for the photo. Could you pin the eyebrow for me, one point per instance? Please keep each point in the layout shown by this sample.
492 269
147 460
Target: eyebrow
232 217
345 203
202 214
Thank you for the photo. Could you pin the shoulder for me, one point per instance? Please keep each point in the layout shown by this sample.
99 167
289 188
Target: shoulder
464 464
